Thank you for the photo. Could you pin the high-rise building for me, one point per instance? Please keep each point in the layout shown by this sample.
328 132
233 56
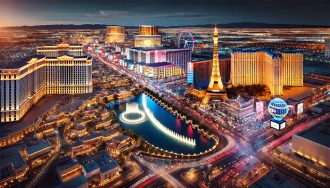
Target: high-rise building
115 34
148 37
24 83
249 67
215 88
198 72
177 56
60 50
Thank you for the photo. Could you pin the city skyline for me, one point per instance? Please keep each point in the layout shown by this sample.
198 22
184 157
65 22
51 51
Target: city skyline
163 13
103 93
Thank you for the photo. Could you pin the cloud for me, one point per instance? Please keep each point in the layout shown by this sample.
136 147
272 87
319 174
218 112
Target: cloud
108 14
105 14
177 15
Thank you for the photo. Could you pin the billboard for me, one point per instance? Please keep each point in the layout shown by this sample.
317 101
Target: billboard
274 125
277 125
259 109
300 108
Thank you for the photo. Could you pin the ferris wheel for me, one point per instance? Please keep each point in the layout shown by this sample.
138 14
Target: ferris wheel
186 40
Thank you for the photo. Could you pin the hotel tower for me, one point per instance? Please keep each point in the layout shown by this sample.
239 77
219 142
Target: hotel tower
58 69
275 70
115 34
215 88
148 36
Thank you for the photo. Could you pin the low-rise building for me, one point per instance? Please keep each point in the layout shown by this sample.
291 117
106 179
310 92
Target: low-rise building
239 108
313 143
78 182
68 169
118 144
12 167
162 70
38 150
100 167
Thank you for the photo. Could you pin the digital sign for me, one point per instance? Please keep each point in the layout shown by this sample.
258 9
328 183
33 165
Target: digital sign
259 109
300 108
277 125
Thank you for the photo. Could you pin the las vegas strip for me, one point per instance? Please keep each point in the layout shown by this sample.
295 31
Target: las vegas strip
164 93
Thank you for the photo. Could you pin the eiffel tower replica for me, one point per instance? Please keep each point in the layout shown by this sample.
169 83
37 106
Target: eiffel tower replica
215 89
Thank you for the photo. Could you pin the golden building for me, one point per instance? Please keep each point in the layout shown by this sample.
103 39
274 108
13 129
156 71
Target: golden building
215 88
249 67
60 50
148 37
115 34
162 70
24 83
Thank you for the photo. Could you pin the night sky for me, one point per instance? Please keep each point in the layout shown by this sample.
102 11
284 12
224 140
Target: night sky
163 13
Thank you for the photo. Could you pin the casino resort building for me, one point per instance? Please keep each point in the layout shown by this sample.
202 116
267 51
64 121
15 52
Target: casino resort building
61 69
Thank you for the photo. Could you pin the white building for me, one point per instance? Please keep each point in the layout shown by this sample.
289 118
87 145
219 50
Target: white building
177 56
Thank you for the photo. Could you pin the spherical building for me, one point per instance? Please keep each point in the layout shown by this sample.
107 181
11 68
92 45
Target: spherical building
278 108
115 34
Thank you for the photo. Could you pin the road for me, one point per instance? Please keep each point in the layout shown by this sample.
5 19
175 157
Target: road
265 143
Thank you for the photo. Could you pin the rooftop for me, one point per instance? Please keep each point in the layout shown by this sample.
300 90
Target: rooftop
101 160
66 163
273 180
157 48
319 133
25 61
6 171
90 166
161 64
301 97
16 159
40 145
120 138
270 52
109 132
91 136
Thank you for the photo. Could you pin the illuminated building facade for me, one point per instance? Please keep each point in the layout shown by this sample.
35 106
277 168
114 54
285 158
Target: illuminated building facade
313 144
198 72
60 50
115 34
177 56
25 82
215 88
249 67
148 36
162 70
239 109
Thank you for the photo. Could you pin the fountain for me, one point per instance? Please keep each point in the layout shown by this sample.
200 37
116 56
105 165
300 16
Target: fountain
163 128
132 114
